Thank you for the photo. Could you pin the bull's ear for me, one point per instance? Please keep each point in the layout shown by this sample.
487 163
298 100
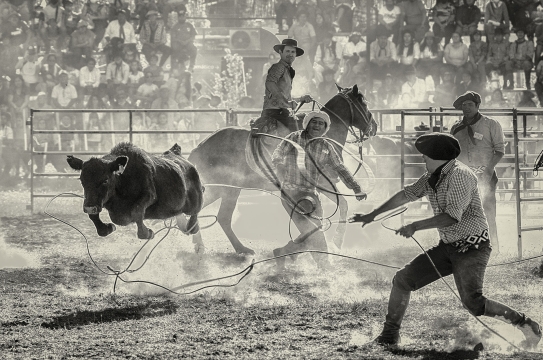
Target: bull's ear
119 164
75 163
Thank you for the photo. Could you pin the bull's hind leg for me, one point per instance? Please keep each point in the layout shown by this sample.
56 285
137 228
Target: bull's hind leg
101 228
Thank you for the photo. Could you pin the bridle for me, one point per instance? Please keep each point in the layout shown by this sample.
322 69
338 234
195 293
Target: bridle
359 139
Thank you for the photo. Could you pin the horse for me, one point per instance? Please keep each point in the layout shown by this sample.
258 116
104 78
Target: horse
221 159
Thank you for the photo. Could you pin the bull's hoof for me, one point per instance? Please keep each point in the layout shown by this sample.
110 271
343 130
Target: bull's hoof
106 230
245 250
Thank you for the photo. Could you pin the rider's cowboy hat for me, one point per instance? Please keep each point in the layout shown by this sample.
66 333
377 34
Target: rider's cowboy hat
317 114
289 42
151 12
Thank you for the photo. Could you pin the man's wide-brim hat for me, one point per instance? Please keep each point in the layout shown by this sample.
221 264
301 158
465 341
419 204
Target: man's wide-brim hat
468 95
151 12
316 114
438 146
289 42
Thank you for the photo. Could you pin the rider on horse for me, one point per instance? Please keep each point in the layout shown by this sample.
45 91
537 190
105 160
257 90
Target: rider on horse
278 99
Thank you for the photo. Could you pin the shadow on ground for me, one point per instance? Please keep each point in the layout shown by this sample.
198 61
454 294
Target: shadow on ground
136 312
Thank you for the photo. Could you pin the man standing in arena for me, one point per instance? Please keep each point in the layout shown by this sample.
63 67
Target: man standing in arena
299 191
464 247
483 144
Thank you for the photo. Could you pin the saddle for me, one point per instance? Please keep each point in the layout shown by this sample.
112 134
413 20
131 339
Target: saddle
259 148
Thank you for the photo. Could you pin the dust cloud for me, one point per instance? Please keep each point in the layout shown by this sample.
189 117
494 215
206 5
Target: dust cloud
15 258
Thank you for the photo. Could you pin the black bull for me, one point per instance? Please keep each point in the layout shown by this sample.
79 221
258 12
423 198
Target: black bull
134 185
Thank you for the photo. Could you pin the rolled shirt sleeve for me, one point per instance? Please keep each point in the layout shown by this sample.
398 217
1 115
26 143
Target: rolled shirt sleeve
418 189
498 138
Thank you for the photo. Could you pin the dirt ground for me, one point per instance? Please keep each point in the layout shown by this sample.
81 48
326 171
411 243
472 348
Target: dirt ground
55 303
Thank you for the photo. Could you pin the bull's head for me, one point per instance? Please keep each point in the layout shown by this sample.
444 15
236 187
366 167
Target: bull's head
98 178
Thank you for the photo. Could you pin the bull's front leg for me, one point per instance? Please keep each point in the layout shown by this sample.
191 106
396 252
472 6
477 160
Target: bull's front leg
138 212
101 228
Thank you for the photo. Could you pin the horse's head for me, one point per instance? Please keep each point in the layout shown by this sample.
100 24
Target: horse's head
356 114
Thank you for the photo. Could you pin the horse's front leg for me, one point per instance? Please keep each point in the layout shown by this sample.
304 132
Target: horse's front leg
138 213
101 228
341 202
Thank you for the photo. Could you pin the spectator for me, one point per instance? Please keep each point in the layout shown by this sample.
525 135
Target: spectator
116 74
89 77
327 88
362 22
498 58
73 73
467 84
139 125
414 18
344 16
388 94
206 121
121 120
155 70
390 15
309 7
431 58
161 141
444 20
527 99
478 51
408 51
131 54
446 91
153 38
183 97
497 101
41 142
163 101
182 38
69 19
67 140
82 42
415 87
53 10
50 71
456 56
147 92
52 36
304 32
96 14
468 16
322 28
539 82
383 56
8 144
352 51
18 106
94 141
325 58
9 54
135 78
538 29
4 89
496 17
284 13
64 94
30 68
119 34
521 53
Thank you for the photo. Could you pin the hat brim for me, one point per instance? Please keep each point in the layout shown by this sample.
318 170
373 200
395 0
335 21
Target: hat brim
460 100
299 51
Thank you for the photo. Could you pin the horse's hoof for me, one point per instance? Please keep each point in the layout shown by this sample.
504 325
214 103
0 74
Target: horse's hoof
199 248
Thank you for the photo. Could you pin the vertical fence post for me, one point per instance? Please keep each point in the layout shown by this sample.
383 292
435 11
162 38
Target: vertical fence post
517 184
402 154
130 125
31 148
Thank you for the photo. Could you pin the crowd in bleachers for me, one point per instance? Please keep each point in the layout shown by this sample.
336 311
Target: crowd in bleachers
420 53
109 54
97 54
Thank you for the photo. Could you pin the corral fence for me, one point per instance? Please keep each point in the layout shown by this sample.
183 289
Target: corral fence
126 125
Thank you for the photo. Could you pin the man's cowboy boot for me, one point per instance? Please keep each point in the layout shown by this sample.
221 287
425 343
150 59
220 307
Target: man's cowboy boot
397 305
530 329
